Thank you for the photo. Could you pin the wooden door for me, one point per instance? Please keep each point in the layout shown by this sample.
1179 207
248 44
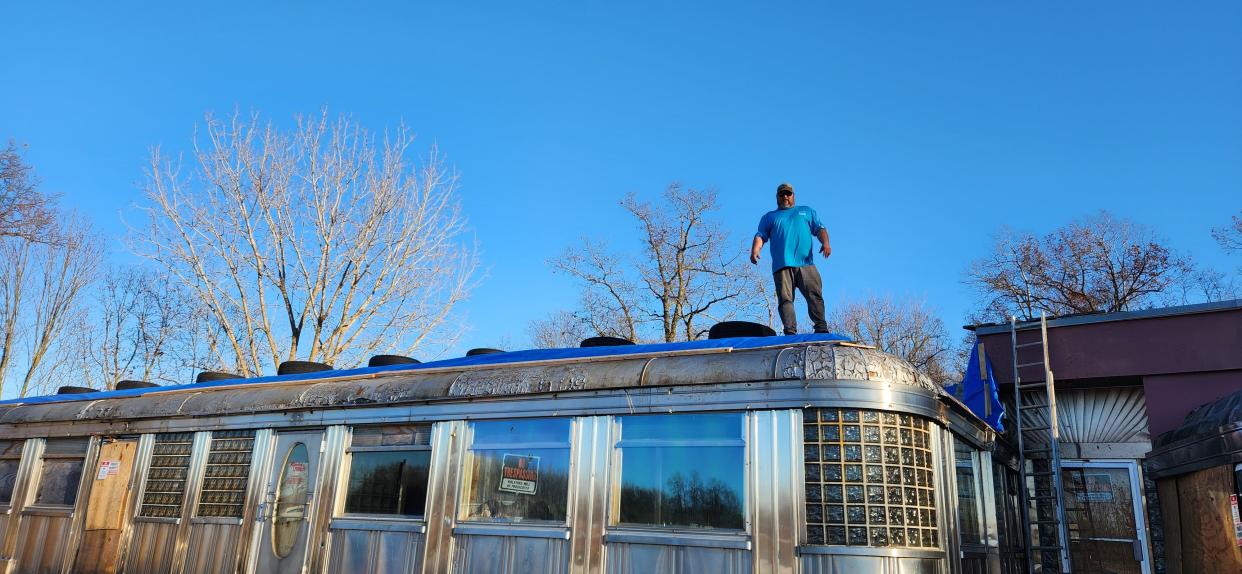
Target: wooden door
107 508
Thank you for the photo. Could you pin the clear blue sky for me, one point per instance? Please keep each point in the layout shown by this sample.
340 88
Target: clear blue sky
916 130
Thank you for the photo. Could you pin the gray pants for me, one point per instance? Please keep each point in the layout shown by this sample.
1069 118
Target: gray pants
806 279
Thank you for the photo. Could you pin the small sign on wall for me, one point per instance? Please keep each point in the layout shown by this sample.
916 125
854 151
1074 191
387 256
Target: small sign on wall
1237 523
519 474
108 468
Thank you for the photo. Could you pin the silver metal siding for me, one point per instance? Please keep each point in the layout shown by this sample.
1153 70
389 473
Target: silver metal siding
43 544
151 548
775 450
374 551
627 558
212 548
324 503
260 467
510 555
852 564
23 494
588 493
447 444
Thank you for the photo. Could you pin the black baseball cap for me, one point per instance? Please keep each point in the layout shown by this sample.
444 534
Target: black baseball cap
783 188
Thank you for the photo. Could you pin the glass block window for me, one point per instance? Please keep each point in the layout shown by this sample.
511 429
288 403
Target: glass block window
10 459
170 464
389 470
227 474
869 479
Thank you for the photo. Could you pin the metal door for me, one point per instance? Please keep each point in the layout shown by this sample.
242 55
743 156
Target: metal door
284 516
1104 516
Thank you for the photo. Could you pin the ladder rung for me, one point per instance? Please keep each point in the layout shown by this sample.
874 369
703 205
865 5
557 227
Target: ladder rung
1039 385
1031 344
1046 548
1050 521
1040 473
1032 429
1025 365
1043 497
1031 407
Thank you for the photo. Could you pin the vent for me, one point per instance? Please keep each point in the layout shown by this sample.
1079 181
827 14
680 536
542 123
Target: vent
482 351
385 360
602 341
727 329
298 367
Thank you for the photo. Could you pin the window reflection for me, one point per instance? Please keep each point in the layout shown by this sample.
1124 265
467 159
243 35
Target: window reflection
389 470
682 470
967 495
388 483
519 470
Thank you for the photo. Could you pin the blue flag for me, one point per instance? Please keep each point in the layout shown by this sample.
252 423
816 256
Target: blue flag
978 389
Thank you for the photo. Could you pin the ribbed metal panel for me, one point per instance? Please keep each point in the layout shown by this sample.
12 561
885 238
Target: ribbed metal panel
213 548
775 504
845 564
511 555
589 493
375 551
151 548
42 544
626 558
1097 416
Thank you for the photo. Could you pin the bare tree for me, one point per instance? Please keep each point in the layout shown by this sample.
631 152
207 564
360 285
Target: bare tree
319 243
559 330
1099 263
904 327
24 211
1230 236
42 285
685 274
142 329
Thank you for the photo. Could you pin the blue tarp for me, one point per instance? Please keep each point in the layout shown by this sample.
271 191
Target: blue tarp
978 390
739 343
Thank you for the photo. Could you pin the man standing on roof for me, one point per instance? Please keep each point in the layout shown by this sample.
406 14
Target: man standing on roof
790 229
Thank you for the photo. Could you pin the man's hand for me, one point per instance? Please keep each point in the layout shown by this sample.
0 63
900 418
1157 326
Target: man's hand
825 249
756 245
754 257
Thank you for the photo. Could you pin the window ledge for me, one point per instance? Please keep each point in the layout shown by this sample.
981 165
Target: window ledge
512 529
739 540
377 523
896 552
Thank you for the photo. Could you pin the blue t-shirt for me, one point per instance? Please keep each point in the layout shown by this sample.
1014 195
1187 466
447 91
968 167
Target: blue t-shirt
790 232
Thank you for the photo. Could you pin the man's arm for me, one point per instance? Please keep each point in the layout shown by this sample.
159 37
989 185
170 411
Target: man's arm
823 240
755 247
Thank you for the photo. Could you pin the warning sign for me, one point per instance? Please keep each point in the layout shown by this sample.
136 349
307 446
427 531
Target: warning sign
1237 523
519 474
108 468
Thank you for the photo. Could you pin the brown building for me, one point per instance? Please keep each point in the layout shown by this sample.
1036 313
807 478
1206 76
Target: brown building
1120 380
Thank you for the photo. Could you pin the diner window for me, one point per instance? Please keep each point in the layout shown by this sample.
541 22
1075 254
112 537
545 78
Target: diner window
10 460
682 471
166 475
227 474
388 470
62 471
869 479
518 470
966 465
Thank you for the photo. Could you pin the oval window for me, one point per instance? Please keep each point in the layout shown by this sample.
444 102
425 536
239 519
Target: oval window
290 511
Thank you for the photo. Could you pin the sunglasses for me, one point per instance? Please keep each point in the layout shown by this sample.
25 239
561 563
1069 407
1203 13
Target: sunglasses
785 194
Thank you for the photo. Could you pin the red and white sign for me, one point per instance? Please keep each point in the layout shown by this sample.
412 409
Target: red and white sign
1237 523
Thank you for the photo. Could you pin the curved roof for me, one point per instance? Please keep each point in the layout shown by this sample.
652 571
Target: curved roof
1210 436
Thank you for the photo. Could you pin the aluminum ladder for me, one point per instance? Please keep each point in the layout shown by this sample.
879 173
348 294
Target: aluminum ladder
1037 429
